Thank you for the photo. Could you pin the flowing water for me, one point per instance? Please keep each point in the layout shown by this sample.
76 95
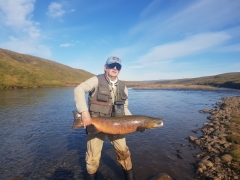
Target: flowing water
37 142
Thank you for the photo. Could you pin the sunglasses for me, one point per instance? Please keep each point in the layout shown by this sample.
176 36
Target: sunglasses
111 66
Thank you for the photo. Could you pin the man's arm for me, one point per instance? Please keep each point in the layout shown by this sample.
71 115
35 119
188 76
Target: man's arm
80 98
126 110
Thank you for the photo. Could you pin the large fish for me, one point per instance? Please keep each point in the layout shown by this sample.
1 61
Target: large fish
119 125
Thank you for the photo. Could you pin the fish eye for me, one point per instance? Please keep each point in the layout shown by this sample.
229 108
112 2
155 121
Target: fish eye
159 123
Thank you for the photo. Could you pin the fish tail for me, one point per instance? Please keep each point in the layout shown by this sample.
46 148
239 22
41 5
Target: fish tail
77 120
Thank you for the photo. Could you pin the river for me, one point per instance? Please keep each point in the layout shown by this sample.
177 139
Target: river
37 142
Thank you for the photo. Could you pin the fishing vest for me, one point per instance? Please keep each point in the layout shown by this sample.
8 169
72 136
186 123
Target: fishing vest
100 104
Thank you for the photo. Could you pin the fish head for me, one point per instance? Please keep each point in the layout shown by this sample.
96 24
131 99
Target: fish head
154 123
77 120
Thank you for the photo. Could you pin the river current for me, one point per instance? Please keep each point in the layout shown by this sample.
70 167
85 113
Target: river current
37 142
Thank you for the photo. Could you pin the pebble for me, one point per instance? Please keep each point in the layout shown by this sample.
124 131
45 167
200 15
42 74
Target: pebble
199 170
226 158
217 160
207 163
162 176
235 177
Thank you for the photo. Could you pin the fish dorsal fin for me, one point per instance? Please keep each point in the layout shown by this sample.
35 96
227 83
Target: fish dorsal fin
141 129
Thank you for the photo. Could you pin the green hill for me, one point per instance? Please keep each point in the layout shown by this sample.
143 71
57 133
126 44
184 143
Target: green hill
25 71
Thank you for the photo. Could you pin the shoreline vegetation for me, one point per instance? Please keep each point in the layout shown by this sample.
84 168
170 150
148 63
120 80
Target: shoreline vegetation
170 86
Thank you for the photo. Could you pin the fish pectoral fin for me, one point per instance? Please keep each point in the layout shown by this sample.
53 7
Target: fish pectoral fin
141 129
91 130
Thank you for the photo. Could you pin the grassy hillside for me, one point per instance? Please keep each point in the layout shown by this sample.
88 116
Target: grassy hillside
227 80
23 71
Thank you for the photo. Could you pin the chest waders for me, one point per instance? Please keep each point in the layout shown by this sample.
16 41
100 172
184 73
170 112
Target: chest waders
103 104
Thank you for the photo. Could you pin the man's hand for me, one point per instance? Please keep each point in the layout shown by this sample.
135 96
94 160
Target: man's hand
86 118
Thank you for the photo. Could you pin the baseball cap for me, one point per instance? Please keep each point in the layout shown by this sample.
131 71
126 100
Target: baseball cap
113 59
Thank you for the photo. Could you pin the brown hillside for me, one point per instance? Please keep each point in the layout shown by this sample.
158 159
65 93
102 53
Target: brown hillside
227 80
23 71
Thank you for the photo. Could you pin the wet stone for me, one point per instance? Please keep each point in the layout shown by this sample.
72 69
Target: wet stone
197 142
162 176
192 138
235 177
226 158
199 170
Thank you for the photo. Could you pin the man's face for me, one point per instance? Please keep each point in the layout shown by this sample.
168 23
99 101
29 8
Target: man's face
112 70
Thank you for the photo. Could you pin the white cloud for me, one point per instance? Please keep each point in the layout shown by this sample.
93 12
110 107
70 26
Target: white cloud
154 5
136 67
73 43
194 44
150 63
27 46
197 16
18 14
230 48
208 15
16 20
126 51
55 10
65 45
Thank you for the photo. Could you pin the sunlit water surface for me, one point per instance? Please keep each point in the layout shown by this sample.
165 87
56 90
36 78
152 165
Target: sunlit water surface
37 142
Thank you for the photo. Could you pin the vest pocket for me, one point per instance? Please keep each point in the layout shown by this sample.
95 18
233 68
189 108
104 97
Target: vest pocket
103 94
99 108
123 95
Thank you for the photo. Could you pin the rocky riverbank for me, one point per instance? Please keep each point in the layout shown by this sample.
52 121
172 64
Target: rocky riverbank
220 142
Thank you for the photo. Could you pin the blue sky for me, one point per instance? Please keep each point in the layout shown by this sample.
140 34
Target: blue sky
158 39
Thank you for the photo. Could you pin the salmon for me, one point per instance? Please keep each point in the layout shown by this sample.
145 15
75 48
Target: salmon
119 125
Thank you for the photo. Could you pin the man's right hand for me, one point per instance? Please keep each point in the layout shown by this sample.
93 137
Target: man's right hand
86 118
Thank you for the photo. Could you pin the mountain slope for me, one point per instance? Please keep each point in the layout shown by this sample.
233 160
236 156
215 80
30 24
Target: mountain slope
227 80
20 70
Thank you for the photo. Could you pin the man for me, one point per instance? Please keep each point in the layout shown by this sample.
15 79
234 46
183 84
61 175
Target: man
108 96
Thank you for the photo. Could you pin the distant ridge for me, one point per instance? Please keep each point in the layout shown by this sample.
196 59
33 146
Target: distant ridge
26 71
226 80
